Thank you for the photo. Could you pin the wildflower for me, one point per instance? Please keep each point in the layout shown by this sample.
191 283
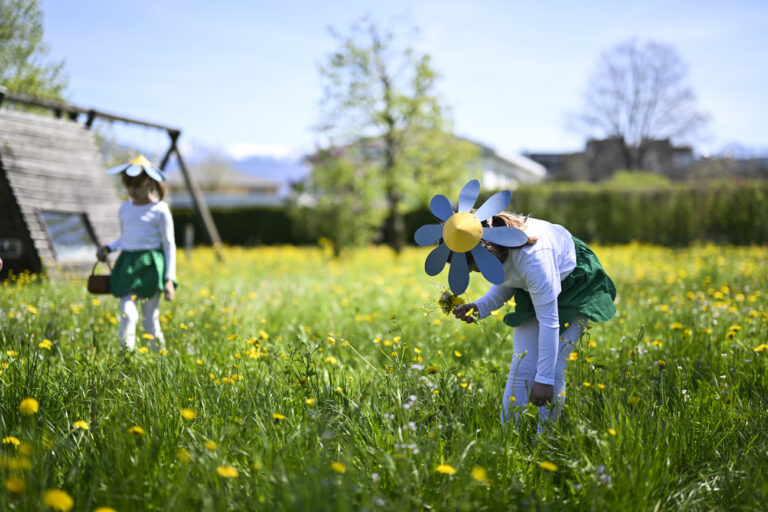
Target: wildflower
761 348
148 336
277 416
662 364
81 424
446 469
601 386
45 344
143 350
331 360
11 353
512 399
457 353
612 431
136 430
634 400
573 356
309 401
188 414
183 455
656 343
15 485
586 384
11 440
227 471
431 369
58 500
163 351
677 326
549 466
211 445
338 467
29 406
105 509
479 474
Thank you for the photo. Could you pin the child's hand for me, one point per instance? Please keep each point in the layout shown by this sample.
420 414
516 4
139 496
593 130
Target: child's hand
541 394
170 289
101 254
465 312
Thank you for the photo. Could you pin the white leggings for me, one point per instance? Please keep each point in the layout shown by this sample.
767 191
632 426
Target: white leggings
150 319
525 347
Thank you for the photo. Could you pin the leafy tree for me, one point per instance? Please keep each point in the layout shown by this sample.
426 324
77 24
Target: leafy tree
638 94
380 99
23 66
337 201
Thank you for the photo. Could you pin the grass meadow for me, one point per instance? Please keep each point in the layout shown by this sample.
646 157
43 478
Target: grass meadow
294 382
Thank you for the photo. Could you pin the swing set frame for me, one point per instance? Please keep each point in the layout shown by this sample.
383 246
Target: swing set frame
74 112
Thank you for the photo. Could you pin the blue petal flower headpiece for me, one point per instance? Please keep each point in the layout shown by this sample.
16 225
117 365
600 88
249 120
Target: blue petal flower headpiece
462 232
136 166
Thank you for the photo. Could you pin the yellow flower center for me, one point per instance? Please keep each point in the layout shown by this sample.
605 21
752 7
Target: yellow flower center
462 232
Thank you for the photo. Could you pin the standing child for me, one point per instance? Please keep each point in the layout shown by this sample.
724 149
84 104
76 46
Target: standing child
147 262
557 282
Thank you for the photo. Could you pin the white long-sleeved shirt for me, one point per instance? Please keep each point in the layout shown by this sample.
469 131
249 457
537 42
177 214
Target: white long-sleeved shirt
539 270
147 227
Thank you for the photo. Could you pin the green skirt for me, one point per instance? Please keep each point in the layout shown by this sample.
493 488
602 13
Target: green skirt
587 291
138 272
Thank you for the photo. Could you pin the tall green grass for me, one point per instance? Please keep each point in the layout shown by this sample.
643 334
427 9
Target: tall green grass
341 386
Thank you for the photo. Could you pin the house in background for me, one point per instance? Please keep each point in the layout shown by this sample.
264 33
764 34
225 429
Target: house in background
504 170
235 190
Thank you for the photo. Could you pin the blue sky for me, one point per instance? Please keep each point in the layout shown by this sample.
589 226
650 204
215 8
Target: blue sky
243 75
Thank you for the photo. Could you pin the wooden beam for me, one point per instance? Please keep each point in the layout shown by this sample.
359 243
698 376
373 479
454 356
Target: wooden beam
197 196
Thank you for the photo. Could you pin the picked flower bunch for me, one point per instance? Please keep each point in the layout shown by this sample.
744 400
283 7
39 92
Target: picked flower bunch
448 302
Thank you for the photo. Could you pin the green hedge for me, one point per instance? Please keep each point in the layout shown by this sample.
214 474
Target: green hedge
673 215
268 225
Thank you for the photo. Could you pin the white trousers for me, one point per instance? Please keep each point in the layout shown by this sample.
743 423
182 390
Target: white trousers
150 317
522 371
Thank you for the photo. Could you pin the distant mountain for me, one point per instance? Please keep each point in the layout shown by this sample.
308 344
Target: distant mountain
282 170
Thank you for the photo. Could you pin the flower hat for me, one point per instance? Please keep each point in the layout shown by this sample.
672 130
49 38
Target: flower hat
462 231
136 166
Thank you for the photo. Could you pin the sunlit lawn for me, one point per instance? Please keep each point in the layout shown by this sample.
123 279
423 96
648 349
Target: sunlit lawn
294 382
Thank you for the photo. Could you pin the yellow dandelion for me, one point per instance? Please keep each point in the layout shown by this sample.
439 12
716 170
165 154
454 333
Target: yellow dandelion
277 416
601 386
445 469
548 466
148 336
338 467
81 424
11 353
211 445
479 474
29 406
586 384
199 362
573 356
45 344
188 414
464 384
143 350
11 440
331 360
15 485
227 471
612 431
183 455
163 352
309 401
661 363
58 500
136 431
105 509
457 353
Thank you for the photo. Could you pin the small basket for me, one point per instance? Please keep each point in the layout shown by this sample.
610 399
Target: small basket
99 284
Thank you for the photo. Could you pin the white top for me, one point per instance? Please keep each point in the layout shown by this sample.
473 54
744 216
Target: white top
539 270
147 227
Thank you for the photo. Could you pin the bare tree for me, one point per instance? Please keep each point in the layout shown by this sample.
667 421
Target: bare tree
638 94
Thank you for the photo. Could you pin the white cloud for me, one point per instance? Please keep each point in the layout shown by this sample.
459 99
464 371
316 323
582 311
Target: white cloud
242 150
